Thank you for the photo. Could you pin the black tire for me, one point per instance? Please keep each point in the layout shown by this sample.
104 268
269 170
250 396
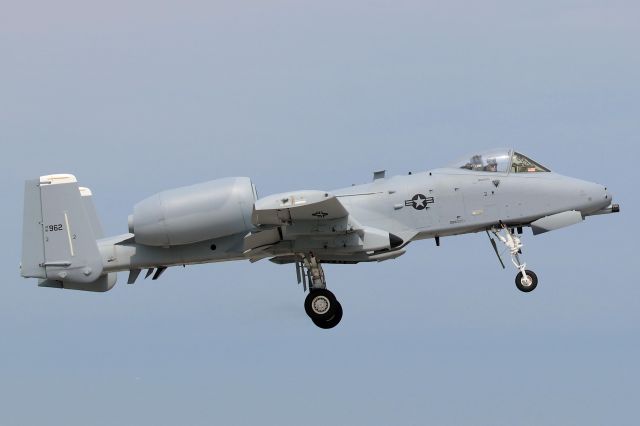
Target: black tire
522 285
333 321
320 304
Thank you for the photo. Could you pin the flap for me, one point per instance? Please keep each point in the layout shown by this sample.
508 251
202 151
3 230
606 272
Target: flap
264 238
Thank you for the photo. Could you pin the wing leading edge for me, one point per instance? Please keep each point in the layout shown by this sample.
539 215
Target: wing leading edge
286 208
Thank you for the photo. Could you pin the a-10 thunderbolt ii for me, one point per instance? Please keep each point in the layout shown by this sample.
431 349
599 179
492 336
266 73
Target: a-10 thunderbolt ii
497 192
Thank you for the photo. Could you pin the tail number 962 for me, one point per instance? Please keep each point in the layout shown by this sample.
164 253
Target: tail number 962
53 228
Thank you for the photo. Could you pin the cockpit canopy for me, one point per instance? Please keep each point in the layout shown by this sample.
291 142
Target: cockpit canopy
500 161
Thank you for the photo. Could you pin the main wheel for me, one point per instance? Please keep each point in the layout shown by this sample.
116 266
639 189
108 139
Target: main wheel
320 304
527 282
333 321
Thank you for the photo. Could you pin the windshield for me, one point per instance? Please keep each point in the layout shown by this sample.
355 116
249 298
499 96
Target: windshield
524 164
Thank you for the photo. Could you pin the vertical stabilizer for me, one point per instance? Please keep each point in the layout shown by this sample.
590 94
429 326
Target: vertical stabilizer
92 214
59 233
32 238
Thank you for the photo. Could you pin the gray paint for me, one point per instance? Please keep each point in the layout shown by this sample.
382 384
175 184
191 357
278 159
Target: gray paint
70 248
194 213
556 221
59 238
104 283
92 215
210 222
32 235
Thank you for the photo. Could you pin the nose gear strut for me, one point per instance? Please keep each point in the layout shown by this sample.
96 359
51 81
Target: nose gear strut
320 304
526 280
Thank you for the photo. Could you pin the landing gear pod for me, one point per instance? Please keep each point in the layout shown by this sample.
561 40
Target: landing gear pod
191 214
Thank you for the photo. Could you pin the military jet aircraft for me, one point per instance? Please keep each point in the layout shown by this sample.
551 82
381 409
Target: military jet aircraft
498 192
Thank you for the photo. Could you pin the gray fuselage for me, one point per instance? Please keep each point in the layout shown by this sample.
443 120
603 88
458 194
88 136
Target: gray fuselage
437 203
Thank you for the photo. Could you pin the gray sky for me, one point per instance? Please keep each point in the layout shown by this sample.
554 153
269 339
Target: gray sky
138 96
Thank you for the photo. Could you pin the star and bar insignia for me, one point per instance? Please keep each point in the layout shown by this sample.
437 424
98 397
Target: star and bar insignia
419 202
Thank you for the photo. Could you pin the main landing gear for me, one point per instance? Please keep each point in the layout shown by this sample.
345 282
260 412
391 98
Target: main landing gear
320 304
323 308
526 280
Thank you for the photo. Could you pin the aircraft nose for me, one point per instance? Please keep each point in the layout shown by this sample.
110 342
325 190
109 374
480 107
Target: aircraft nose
598 197
607 194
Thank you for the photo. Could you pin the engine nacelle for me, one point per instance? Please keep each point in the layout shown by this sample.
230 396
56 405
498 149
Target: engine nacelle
191 214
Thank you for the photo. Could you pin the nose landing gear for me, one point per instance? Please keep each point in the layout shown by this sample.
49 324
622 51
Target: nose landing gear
526 280
320 304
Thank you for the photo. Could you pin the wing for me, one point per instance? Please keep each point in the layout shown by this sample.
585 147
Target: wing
281 209
303 221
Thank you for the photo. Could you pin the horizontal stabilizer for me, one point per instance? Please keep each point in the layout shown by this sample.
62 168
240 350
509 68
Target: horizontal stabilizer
103 283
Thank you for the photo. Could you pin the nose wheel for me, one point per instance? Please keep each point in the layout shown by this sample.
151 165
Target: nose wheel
526 280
